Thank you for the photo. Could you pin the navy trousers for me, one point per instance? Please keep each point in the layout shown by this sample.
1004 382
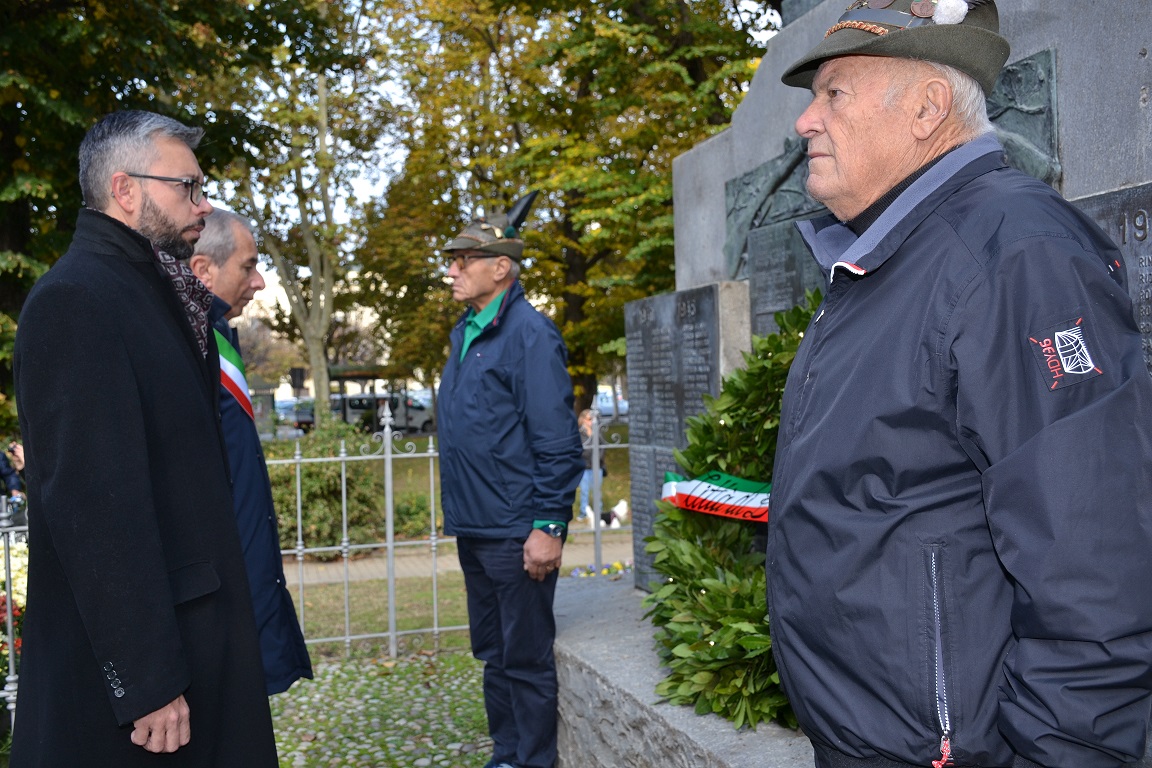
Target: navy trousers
513 627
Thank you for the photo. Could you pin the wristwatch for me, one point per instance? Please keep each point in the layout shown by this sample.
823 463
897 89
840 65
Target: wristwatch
552 529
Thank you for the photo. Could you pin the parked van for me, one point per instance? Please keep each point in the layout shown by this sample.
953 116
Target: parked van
408 414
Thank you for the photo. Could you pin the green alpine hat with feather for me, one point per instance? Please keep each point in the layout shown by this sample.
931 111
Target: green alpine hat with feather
960 33
498 234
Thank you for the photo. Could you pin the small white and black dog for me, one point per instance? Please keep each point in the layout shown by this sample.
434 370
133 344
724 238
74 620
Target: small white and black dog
609 518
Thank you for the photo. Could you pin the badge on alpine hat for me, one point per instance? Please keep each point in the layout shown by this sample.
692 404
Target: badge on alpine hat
964 34
1064 354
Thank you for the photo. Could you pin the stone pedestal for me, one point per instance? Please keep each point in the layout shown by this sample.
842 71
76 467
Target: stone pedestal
609 714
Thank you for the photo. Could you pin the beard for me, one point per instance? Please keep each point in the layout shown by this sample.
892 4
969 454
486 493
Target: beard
163 232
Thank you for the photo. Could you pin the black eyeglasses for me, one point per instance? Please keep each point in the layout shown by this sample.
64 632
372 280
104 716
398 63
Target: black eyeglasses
461 259
195 187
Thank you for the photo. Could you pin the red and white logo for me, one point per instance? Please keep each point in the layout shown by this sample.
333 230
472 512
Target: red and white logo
1063 353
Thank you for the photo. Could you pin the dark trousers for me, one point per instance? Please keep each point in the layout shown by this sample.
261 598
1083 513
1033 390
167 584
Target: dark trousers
512 626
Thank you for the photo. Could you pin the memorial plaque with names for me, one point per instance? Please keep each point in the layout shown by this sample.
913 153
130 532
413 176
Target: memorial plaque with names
780 271
648 465
673 361
1124 216
673 343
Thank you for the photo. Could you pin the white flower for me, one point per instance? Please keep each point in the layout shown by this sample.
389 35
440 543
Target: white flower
20 572
19 559
950 11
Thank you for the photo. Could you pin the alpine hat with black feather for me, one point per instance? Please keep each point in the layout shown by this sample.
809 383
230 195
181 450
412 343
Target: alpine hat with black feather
498 234
960 33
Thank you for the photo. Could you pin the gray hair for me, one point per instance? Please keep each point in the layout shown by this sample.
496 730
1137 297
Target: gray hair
514 270
968 102
218 240
125 141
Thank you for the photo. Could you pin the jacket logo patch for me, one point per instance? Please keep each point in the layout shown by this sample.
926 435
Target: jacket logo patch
1063 354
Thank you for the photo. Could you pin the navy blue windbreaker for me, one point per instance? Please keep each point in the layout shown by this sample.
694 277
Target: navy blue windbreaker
510 451
282 647
960 543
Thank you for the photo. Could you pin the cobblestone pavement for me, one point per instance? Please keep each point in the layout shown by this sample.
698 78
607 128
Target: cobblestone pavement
416 559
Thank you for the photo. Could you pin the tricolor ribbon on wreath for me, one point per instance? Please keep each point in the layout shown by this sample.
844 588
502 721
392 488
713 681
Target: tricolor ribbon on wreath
232 376
716 493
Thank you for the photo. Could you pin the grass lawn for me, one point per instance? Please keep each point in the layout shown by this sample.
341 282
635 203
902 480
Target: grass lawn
324 615
420 710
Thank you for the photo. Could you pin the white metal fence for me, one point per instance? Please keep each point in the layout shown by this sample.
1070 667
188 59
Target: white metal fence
393 451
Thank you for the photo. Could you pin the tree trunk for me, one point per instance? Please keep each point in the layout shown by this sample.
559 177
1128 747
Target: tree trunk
318 362
576 273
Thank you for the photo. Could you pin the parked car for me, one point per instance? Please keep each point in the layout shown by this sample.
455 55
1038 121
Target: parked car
408 413
304 415
604 405
285 409
422 396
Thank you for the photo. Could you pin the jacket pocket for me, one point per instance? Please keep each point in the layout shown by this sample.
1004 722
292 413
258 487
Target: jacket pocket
193 580
937 651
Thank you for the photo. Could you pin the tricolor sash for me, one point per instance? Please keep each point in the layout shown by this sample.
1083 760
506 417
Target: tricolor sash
232 373
718 494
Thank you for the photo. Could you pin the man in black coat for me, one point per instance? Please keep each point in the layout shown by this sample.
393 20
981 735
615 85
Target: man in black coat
225 261
138 637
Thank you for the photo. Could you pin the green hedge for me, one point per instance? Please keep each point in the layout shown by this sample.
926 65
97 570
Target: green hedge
320 485
711 608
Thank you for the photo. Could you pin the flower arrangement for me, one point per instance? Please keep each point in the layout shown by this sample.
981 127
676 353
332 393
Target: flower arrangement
710 609
614 570
18 594
17 621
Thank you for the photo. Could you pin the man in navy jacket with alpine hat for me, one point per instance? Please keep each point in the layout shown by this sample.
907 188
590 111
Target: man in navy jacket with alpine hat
510 461
958 554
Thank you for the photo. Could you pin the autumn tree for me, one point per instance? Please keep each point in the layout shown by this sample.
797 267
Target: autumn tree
63 65
635 84
588 102
404 280
267 354
319 122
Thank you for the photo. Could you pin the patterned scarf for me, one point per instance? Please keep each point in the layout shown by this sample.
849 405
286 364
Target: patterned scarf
193 295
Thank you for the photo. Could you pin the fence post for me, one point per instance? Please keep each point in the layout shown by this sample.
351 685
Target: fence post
11 678
597 500
345 549
434 542
389 528
298 456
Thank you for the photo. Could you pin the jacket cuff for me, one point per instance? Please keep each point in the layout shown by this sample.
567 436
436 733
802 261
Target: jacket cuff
554 516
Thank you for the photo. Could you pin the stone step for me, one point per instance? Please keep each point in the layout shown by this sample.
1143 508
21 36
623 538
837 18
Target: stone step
610 716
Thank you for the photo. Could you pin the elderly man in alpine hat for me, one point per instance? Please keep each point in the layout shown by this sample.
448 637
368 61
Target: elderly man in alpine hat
958 555
510 461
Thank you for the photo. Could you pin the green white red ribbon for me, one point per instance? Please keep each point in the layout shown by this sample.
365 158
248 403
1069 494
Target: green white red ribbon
716 493
232 376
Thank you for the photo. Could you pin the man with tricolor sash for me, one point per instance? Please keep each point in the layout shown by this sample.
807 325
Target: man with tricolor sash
225 261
